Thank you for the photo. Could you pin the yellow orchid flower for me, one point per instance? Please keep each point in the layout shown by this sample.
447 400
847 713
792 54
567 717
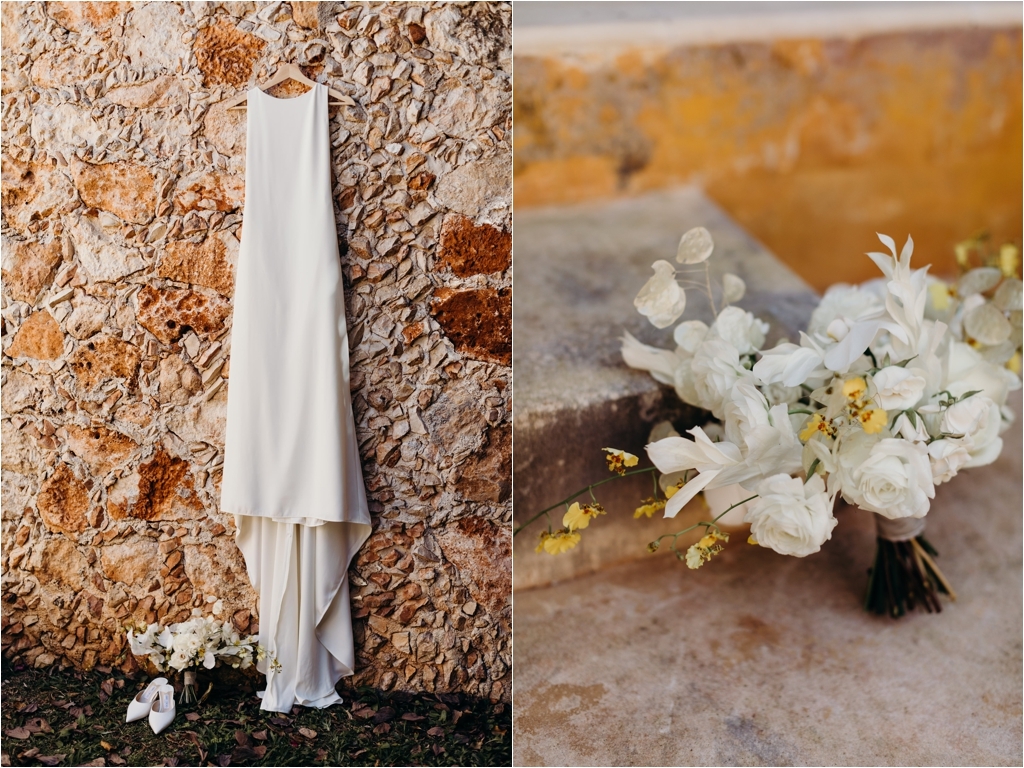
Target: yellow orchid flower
619 460
854 388
873 420
648 507
558 542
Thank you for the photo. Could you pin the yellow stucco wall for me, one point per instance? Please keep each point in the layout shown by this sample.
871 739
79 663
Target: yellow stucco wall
813 145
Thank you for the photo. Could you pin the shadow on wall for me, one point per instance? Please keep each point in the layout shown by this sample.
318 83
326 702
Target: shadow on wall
812 144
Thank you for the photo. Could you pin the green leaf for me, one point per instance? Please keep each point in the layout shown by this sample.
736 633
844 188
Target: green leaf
965 395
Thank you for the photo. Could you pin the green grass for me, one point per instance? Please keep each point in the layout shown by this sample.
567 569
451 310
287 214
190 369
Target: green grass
77 718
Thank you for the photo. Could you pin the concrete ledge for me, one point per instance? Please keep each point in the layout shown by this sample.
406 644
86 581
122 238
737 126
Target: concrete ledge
578 269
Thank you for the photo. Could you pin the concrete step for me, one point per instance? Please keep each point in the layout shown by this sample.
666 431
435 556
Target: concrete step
760 659
578 269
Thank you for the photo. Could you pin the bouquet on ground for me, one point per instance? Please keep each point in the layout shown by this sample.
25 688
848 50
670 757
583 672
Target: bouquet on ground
198 642
896 386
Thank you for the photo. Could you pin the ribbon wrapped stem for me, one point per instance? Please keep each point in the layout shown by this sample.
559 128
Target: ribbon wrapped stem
904 575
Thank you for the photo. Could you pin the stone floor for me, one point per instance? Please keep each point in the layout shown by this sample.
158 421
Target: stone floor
758 659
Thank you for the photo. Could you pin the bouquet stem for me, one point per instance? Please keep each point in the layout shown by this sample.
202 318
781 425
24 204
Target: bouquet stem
904 574
188 688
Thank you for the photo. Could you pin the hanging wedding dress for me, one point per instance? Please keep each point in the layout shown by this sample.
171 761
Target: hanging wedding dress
292 475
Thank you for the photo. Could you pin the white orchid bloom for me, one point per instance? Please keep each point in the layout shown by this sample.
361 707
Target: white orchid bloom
660 363
790 365
762 443
677 454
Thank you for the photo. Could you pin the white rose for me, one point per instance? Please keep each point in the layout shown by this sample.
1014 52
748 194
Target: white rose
978 419
947 457
898 388
179 660
741 329
661 300
716 369
890 476
790 516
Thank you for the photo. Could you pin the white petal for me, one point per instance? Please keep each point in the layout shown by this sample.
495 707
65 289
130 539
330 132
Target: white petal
661 363
683 496
733 288
695 246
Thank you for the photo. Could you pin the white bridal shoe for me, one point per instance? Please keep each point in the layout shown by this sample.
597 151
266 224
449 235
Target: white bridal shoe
139 707
162 713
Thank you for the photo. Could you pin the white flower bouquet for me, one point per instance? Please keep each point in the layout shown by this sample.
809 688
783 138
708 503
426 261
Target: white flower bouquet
199 642
895 387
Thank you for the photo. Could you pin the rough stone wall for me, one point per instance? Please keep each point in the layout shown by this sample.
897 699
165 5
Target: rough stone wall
811 145
123 184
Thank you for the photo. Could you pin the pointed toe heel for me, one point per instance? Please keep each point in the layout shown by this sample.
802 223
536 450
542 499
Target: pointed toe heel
140 706
163 711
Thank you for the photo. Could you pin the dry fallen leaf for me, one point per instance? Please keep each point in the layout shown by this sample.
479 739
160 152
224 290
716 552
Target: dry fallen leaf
412 716
19 733
436 731
309 733
51 759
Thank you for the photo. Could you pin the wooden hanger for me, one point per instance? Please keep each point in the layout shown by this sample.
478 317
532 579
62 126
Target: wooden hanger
287 72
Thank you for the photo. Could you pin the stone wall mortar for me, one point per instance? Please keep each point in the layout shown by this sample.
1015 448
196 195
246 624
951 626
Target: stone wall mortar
123 194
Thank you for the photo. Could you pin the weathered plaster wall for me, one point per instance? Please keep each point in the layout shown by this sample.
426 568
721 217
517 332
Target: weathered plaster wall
123 183
813 145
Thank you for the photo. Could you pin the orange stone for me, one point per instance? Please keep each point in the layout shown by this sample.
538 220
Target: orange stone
39 337
487 477
205 264
85 15
32 266
162 489
169 313
304 14
101 448
226 55
63 502
32 192
102 358
474 250
478 322
125 189
209 192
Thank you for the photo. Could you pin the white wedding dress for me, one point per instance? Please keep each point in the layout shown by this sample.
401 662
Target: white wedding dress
292 476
